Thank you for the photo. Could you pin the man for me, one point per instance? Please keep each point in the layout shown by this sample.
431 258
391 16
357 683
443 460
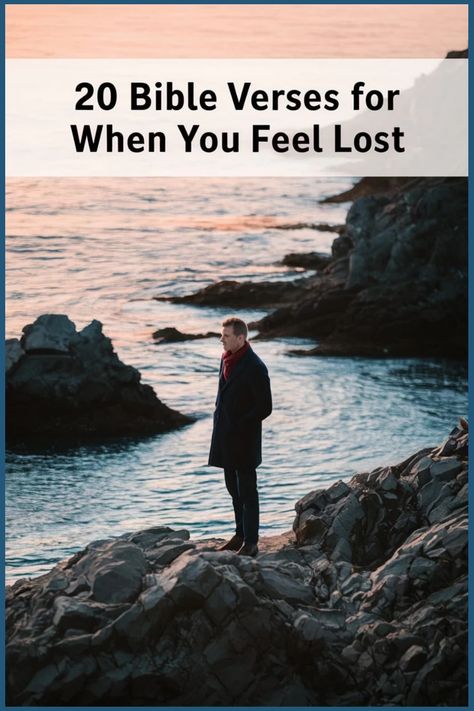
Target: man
243 400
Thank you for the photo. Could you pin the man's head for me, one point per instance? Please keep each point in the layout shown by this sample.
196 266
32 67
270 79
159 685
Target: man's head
233 334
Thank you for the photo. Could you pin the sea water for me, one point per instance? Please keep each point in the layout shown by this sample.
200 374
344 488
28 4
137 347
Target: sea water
102 249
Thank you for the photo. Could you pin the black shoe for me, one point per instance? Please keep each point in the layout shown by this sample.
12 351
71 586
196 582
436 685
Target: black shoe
234 544
250 549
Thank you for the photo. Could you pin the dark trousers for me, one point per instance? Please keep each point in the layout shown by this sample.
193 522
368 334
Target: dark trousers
242 486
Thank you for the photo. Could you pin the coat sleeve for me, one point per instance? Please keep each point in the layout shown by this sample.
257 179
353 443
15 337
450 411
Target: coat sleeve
261 395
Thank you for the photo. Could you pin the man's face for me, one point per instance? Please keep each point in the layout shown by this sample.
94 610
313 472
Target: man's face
231 342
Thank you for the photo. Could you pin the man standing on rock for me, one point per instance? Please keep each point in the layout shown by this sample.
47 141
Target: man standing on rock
244 399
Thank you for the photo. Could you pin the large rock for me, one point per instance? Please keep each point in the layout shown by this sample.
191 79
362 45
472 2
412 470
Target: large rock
404 281
367 608
63 383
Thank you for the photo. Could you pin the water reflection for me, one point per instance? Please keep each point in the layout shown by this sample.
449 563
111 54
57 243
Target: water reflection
332 416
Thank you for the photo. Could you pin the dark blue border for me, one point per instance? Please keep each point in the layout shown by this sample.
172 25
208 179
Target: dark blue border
4 3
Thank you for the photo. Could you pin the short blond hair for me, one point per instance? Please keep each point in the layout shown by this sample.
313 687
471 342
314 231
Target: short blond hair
239 327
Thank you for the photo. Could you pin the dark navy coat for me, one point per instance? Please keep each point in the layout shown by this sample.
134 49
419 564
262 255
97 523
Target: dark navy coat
243 401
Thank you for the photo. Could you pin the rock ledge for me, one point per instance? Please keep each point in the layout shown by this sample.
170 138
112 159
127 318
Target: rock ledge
368 607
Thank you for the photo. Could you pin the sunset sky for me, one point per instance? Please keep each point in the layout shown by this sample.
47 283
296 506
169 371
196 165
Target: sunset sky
234 30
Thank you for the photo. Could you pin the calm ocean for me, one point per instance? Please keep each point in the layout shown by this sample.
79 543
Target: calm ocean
102 249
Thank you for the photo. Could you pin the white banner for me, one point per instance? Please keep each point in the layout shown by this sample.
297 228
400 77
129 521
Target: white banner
236 117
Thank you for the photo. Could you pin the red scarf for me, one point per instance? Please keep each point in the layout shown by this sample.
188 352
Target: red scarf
231 359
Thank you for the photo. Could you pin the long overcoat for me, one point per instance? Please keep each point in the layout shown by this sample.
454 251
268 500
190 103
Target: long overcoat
243 401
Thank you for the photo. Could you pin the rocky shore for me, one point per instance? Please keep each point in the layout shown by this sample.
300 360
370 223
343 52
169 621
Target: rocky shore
403 280
395 283
364 603
61 383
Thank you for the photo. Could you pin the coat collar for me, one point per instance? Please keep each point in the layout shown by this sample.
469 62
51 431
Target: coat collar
236 371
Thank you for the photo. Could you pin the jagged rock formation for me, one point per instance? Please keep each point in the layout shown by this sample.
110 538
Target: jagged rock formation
63 383
403 281
368 607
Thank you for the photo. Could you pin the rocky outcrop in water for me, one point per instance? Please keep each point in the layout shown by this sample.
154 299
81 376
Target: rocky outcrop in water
172 335
403 287
395 283
243 294
307 260
367 607
64 383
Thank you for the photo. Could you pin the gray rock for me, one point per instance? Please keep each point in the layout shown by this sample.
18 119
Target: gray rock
445 469
222 602
213 628
309 528
348 514
69 384
413 659
422 569
82 615
422 467
279 586
354 583
167 553
343 570
342 550
309 628
116 573
308 501
189 580
154 536
337 491
13 353
428 494
49 332
387 481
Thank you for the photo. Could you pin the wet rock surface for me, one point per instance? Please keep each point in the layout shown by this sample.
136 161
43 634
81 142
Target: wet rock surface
65 383
367 607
